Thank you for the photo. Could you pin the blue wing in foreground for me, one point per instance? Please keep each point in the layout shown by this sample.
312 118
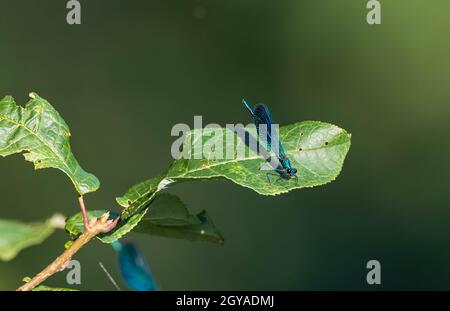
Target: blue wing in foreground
134 268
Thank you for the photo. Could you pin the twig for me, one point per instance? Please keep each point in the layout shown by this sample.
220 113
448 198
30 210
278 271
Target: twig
96 226
83 212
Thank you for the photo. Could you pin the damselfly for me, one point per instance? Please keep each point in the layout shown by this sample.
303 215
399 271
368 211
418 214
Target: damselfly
134 268
261 116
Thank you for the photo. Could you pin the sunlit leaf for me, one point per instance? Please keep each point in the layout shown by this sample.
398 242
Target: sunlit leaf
39 132
140 195
316 149
44 288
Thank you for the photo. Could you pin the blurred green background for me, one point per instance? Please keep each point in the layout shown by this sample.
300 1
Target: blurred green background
133 69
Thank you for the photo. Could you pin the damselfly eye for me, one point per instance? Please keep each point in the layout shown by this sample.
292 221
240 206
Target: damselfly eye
292 171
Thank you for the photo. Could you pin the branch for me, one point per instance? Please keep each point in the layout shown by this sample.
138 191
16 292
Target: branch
96 226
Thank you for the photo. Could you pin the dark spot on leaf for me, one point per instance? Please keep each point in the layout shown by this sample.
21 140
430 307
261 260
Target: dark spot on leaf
326 143
300 149
129 202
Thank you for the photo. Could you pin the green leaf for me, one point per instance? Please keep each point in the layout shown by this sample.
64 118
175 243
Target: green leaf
44 288
39 131
316 149
140 195
74 224
205 231
169 217
15 236
168 210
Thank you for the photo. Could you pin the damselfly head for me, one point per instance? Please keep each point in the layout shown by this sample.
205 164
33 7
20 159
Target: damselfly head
292 171
288 167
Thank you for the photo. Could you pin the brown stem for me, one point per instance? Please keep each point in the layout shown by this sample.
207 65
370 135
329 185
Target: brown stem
100 225
84 212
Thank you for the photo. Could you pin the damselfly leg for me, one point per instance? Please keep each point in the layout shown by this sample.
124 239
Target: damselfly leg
280 177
